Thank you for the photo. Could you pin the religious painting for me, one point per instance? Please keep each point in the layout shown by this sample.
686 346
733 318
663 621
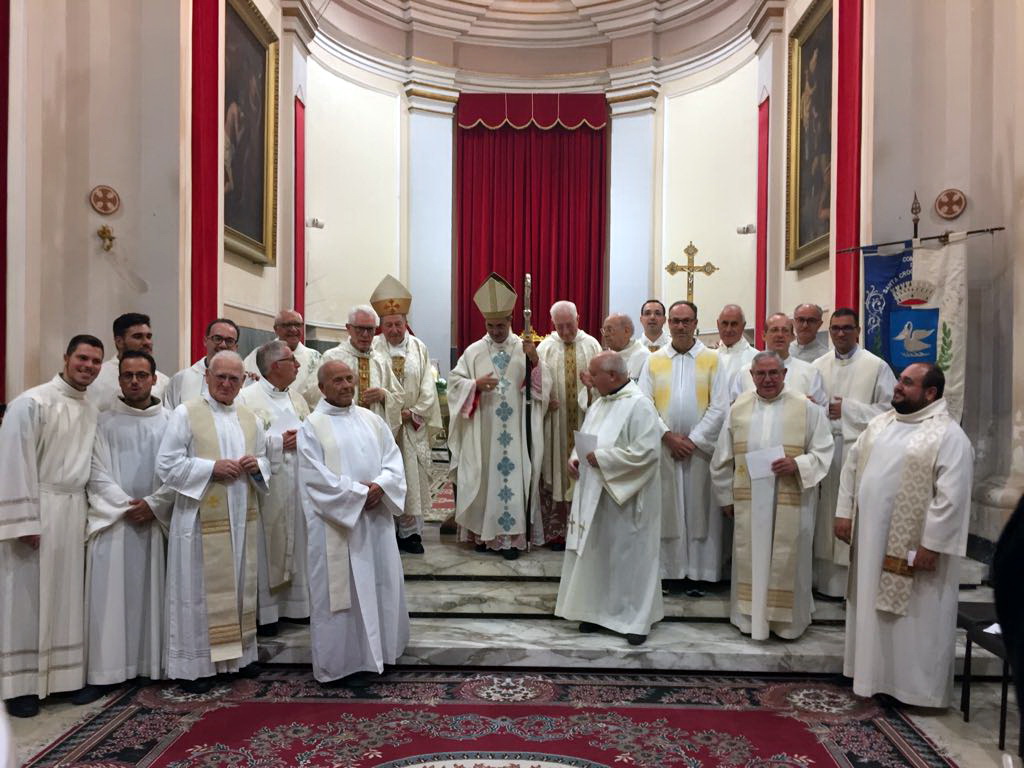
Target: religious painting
250 133
809 145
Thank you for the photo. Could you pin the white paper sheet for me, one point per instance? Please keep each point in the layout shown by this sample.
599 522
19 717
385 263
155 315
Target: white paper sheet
994 629
286 421
759 463
585 443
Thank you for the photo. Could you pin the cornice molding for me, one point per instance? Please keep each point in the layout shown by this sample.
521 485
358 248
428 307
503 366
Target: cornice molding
768 18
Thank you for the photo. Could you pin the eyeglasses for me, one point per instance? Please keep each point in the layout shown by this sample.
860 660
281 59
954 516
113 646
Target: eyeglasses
286 361
134 375
807 320
288 325
765 374
227 378
362 328
227 341
683 320
842 328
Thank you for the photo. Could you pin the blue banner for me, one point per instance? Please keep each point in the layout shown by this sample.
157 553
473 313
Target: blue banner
883 274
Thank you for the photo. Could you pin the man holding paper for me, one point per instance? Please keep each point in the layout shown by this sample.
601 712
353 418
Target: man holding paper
610 570
772 452
904 507
281 577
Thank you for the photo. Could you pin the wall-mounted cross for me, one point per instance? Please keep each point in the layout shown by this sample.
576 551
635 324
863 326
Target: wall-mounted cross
690 268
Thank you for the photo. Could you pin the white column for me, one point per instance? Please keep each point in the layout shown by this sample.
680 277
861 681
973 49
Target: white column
631 238
431 171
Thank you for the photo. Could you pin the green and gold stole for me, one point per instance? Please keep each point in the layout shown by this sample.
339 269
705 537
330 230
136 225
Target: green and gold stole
782 575
229 629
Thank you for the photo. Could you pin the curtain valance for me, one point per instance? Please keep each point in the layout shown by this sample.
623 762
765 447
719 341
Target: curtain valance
543 110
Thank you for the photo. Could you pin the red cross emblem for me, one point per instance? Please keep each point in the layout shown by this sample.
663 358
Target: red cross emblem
950 203
104 200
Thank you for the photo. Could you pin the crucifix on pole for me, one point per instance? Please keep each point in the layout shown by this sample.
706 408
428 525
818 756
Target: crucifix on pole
690 268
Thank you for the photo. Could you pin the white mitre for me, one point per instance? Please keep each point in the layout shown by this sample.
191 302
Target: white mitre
390 297
495 298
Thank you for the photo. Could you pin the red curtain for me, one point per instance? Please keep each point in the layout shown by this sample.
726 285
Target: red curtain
761 272
5 53
206 230
847 164
532 199
300 207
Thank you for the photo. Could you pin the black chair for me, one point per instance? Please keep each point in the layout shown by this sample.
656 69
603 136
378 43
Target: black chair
975 618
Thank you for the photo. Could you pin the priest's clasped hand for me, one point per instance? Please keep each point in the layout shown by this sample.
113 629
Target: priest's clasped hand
530 349
372 396
573 465
373 496
226 469
680 446
843 528
835 408
926 559
786 466
250 465
486 383
138 512
32 541
592 459
289 439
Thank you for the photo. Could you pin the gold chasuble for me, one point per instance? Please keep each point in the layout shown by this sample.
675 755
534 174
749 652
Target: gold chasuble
339 586
786 518
228 627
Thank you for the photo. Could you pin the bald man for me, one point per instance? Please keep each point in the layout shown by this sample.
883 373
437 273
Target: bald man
734 351
617 335
289 328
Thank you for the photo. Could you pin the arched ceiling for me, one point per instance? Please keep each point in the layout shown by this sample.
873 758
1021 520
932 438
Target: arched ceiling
569 43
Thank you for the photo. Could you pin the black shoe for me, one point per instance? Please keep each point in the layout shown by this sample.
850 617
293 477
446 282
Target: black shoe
250 671
636 639
88 694
304 620
202 685
267 630
411 544
23 706
481 548
588 626
360 679
510 554
558 546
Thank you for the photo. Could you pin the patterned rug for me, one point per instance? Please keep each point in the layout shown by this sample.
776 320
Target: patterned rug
442 495
448 719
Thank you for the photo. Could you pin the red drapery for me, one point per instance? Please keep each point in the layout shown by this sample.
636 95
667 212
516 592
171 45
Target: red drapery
5 53
206 231
847 165
761 275
300 207
532 199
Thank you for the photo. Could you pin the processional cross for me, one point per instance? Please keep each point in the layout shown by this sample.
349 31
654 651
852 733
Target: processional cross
690 268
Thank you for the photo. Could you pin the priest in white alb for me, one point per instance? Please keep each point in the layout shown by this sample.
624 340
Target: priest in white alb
859 386
129 513
132 332
353 486
493 469
376 386
610 574
734 351
773 451
46 452
801 377
214 457
190 383
566 354
652 318
905 503
806 345
421 412
691 395
289 328
283 589
617 335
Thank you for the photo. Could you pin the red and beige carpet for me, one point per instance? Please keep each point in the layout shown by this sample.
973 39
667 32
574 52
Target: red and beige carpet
448 719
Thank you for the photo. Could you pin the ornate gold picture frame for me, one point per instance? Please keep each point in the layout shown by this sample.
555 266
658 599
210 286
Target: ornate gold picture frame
250 133
809 138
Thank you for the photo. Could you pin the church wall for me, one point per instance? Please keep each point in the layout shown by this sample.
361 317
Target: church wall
948 98
353 184
95 99
710 186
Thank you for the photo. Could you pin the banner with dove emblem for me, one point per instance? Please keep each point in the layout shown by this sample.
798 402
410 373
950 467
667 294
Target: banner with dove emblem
915 309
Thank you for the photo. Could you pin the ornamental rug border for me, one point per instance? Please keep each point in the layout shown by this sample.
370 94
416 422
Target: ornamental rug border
429 718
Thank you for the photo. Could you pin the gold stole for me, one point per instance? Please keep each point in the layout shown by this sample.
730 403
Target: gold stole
572 412
335 537
910 506
782 574
364 375
398 367
227 634
660 367
278 532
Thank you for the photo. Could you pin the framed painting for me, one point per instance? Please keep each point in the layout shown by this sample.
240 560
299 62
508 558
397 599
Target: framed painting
809 138
250 133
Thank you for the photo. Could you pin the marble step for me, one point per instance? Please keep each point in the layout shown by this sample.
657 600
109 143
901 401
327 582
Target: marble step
544 643
537 598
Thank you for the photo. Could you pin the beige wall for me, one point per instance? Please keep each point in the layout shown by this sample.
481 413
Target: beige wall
353 184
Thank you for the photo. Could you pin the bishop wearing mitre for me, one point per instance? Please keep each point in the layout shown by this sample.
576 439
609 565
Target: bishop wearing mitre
496 473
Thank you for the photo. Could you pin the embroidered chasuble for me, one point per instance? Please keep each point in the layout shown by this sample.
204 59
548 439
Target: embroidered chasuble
906 485
691 397
493 470
46 451
227 626
412 369
774 515
358 619
610 569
